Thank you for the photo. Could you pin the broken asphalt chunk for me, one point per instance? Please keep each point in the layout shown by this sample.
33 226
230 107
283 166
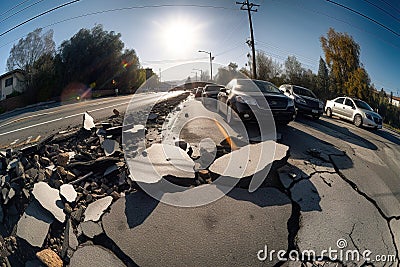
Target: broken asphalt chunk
88 121
110 146
91 255
91 228
152 116
68 192
249 160
49 198
49 258
161 160
117 130
94 211
34 224
135 129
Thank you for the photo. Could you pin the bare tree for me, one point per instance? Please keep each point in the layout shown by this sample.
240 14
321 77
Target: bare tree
28 50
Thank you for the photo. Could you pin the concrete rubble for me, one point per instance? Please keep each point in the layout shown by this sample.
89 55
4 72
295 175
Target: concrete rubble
49 199
68 192
35 217
60 187
88 122
94 211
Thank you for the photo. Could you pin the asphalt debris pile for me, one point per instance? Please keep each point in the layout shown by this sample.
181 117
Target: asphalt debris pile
53 194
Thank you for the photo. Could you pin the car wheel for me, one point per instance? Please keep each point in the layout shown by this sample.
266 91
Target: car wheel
358 120
329 112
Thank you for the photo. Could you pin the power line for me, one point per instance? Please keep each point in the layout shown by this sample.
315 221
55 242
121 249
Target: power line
19 11
364 16
14 7
383 1
39 15
119 9
310 60
383 10
230 49
112 10
346 22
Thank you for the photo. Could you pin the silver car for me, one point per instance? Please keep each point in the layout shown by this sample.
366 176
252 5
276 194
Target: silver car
355 110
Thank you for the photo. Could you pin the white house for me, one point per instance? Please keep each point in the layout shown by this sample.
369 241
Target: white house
10 82
395 101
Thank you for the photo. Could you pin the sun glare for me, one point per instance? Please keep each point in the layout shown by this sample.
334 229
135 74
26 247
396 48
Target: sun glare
179 36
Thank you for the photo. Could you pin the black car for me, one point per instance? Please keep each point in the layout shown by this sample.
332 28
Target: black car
210 91
247 97
305 100
199 91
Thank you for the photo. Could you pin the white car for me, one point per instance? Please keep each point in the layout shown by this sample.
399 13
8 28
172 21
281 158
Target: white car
355 110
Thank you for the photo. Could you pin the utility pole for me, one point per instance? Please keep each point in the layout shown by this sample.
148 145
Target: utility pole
211 59
249 7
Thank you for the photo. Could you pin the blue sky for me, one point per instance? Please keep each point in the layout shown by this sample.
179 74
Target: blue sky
281 28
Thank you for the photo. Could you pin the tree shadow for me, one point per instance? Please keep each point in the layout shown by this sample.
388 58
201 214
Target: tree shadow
337 131
392 137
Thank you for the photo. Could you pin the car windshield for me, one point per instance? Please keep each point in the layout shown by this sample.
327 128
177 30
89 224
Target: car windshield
257 86
362 104
213 88
303 92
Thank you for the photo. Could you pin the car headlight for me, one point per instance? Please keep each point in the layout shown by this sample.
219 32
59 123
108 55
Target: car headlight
368 116
321 105
290 102
300 100
246 100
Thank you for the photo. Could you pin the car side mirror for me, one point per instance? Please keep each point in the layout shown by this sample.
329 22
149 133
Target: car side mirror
222 90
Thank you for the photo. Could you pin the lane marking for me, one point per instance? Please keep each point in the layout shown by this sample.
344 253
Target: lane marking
162 97
58 119
145 96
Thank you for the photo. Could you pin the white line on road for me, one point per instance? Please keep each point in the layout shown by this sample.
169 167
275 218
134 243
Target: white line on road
78 114
62 118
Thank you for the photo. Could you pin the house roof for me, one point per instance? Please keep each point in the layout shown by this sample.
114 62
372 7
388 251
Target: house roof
11 72
396 98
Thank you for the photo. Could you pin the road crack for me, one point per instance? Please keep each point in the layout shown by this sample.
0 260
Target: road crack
372 201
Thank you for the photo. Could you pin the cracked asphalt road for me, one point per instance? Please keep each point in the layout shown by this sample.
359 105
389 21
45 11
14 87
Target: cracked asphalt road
341 184
347 187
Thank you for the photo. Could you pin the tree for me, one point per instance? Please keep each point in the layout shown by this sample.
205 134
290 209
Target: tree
29 49
322 82
267 68
97 57
226 74
293 70
357 84
342 54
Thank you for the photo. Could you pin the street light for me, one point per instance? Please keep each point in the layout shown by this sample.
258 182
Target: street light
201 72
211 59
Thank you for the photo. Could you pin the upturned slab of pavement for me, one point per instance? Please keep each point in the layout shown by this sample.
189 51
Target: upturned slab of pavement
243 163
161 160
227 232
